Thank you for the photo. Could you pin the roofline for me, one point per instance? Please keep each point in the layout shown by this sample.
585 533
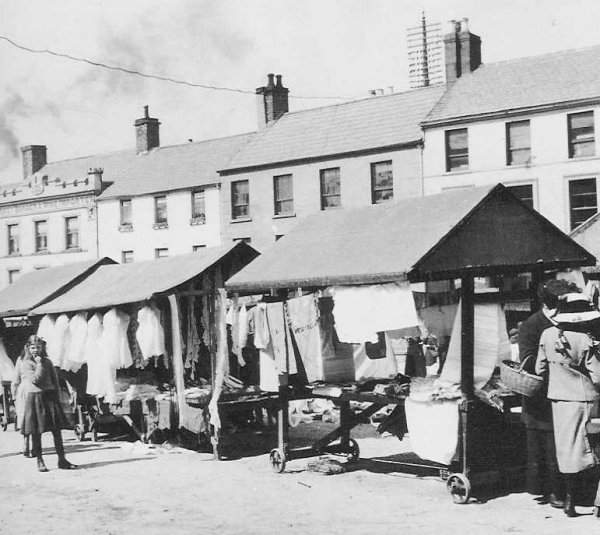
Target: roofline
103 198
313 159
511 112
87 193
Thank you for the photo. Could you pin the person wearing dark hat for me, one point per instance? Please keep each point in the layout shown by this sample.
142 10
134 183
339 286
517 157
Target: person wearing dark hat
570 357
543 477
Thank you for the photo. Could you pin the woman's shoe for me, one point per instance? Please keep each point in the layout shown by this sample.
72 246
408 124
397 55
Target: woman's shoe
63 464
556 502
570 507
41 466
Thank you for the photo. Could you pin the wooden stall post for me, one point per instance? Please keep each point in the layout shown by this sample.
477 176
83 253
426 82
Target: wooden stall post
467 363
177 355
283 430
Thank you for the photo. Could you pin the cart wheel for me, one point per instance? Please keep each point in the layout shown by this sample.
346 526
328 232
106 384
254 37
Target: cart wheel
4 424
459 487
79 432
353 451
277 458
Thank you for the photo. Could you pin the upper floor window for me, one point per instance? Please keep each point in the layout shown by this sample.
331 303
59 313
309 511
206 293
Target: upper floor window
581 134
196 248
71 232
13 275
382 182
330 188
583 200
524 192
160 210
283 193
240 199
161 252
126 257
518 143
13 239
126 213
457 149
198 207
41 236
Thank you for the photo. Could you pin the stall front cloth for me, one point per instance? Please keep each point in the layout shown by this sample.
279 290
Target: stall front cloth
361 312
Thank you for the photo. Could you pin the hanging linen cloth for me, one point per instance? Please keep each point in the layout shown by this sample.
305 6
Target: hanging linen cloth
114 339
7 368
261 327
61 342
150 334
192 347
280 346
75 353
98 367
46 332
362 311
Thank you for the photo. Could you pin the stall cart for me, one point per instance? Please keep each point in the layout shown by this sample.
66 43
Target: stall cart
458 235
169 284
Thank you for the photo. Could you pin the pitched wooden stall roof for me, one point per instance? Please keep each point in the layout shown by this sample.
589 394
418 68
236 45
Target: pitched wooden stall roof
484 230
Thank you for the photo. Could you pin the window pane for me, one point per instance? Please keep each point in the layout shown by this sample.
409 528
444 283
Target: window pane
41 238
126 212
524 193
72 232
382 182
583 200
284 194
457 149
160 204
330 188
126 257
13 239
582 140
240 199
198 206
161 253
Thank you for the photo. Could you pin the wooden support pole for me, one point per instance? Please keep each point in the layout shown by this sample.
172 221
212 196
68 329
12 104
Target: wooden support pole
177 357
467 337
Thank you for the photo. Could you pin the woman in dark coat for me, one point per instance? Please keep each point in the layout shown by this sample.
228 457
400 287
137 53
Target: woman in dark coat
570 357
42 411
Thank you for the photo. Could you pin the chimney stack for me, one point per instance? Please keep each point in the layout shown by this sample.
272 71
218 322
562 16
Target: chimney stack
271 100
34 158
95 177
462 50
146 133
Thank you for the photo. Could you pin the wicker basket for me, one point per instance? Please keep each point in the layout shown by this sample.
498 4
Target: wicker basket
518 380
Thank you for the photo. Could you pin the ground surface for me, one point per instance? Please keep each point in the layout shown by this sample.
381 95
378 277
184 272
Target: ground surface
123 488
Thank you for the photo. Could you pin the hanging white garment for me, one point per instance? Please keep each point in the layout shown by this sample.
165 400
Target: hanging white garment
261 327
114 339
61 341
362 311
243 327
46 332
150 334
94 356
75 353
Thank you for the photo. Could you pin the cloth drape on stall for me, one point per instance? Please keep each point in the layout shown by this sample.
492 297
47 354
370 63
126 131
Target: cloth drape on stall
362 311
75 353
46 332
193 343
222 361
60 341
114 338
7 368
491 344
280 345
150 334
98 366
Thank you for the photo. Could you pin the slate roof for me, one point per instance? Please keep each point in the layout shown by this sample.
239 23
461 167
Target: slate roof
568 76
483 228
161 169
360 125
36 287
118 284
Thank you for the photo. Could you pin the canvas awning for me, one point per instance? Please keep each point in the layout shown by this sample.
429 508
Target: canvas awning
37 287
483 230
128 283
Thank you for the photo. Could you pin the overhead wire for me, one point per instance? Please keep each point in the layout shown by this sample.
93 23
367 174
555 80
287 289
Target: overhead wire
134 72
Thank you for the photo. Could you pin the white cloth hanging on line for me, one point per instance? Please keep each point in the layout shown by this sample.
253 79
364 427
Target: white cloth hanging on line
150 334
61 341
75 353
114 339
46 332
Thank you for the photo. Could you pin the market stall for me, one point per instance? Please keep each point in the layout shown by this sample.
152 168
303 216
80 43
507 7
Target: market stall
143 332
17 299
471 237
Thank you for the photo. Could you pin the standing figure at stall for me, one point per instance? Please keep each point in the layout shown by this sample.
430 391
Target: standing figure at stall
19 395
543 477
570 357
41 409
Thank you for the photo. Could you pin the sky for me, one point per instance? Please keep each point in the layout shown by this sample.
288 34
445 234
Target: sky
323 48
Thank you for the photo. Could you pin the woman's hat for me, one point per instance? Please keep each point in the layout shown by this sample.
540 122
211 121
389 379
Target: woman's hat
575 308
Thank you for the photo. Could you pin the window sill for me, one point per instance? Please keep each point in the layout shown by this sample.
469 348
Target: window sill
198 220
73 250
458 172
41 253
159 226
283 216
13 255
126 228
582 158
241 220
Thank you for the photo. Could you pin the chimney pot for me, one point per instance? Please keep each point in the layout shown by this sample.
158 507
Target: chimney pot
146 116
270 77
278 78
464 25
